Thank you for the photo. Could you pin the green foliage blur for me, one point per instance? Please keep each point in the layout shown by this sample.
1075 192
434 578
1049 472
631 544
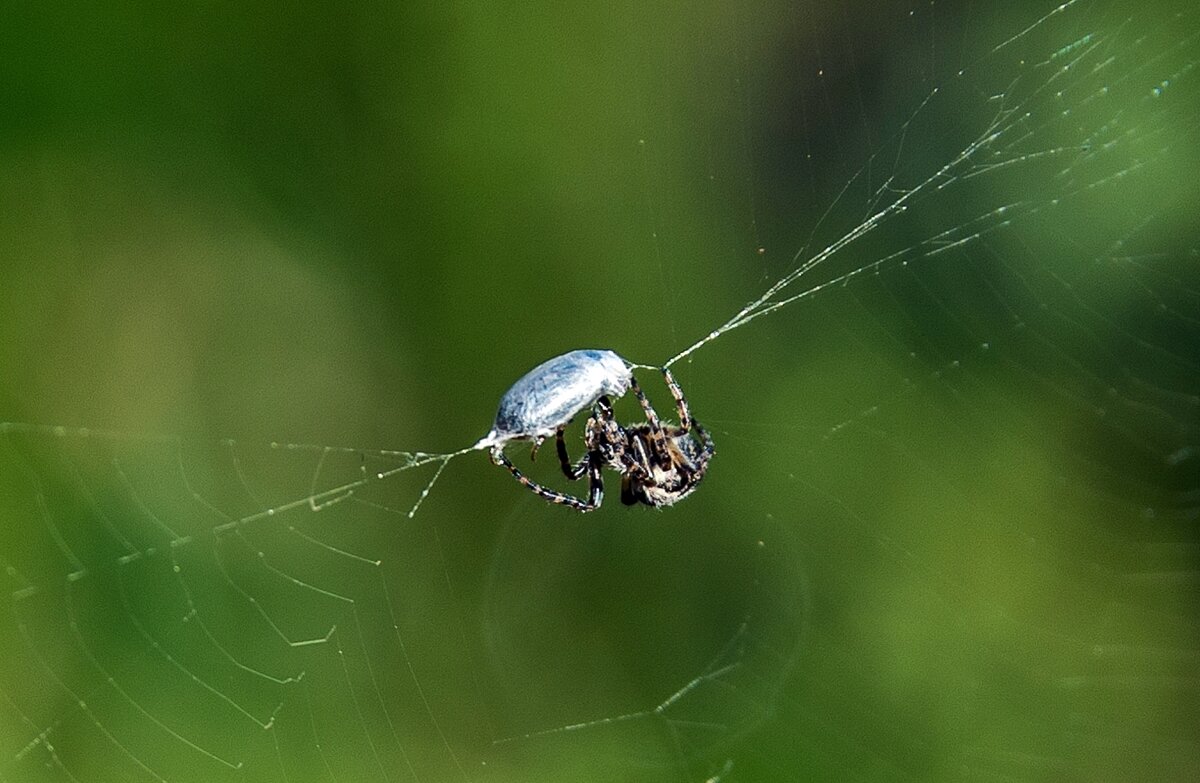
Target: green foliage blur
356 224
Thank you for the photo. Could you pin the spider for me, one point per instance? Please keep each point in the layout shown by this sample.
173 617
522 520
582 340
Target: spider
660 464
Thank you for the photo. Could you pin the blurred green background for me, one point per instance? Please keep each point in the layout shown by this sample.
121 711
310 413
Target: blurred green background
949 532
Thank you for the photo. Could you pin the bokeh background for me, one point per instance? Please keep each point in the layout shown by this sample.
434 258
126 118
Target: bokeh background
950 529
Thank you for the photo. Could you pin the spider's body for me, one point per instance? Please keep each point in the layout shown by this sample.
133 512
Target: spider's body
671 479
660 464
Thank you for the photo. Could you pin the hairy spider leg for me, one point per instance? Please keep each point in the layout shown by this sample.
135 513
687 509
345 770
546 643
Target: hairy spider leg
651 414
575 471
656 430
686 422
602 411
641 458
627 496
640 462
595 489
705 440
685 415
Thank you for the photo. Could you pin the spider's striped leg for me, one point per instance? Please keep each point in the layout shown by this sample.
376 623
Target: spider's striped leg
685 415
705 440
602 412
651 415
572 472
627 495
641 463
656 430
594 497
595 487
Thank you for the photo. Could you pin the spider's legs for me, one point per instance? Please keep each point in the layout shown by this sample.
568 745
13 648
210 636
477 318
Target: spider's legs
656 429
594 496
681 405
602 413
705 439
572 472
685 415
627 495
647 408
641 460
595 487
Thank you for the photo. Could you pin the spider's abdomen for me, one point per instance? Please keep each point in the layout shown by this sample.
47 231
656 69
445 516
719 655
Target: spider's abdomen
551 394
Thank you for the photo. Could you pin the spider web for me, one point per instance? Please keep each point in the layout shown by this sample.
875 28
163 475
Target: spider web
949 531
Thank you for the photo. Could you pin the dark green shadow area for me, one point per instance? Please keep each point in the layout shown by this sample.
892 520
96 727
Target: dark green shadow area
254 260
